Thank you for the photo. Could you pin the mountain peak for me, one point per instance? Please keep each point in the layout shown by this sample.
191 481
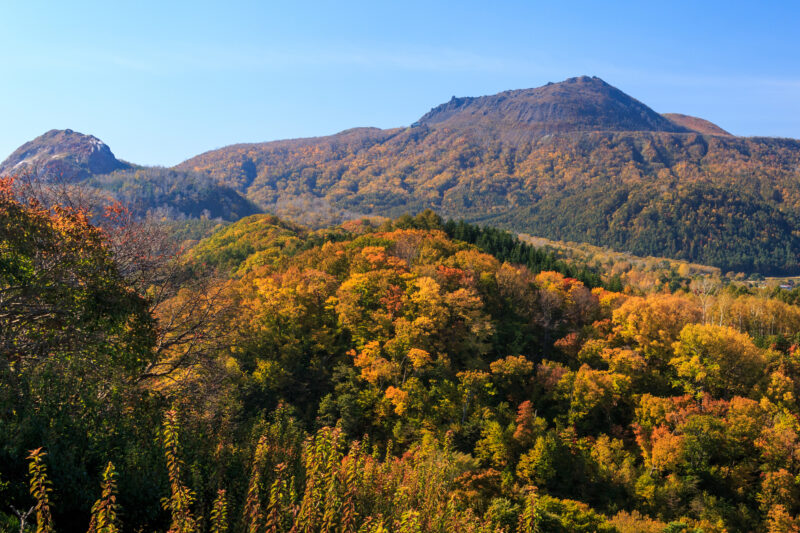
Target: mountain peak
65 153
583 79
583 103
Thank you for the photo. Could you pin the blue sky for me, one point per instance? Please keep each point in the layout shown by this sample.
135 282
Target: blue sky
162 81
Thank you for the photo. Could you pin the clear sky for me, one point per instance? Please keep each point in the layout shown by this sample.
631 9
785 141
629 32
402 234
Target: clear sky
162 81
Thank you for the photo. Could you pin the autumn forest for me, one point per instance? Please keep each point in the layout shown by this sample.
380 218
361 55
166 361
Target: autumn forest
544 310
412 374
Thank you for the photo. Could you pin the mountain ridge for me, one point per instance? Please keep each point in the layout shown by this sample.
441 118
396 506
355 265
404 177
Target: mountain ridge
727 201
577 104
68 157
690 194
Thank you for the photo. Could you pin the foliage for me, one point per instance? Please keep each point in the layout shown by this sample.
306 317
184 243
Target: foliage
717 200
388 377
181 497
40 491
105 510
73 336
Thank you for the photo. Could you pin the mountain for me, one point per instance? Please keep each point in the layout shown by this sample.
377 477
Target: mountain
577 104
63 153
574 161
67 156
696 124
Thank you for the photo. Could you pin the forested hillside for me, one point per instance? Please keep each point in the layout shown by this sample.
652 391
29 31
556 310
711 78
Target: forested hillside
574 161
67 164
172 194
413 375
578 160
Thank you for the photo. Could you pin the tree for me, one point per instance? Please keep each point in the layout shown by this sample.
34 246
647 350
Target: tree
717 360
654 323
74 336
60 290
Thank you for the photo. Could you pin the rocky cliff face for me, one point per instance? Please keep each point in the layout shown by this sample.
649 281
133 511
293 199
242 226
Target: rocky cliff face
577 104
63 154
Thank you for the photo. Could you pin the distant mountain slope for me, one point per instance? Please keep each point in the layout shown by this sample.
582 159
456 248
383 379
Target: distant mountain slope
173 194
64 153
728 202
69 157
635 180
695 124
577 160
